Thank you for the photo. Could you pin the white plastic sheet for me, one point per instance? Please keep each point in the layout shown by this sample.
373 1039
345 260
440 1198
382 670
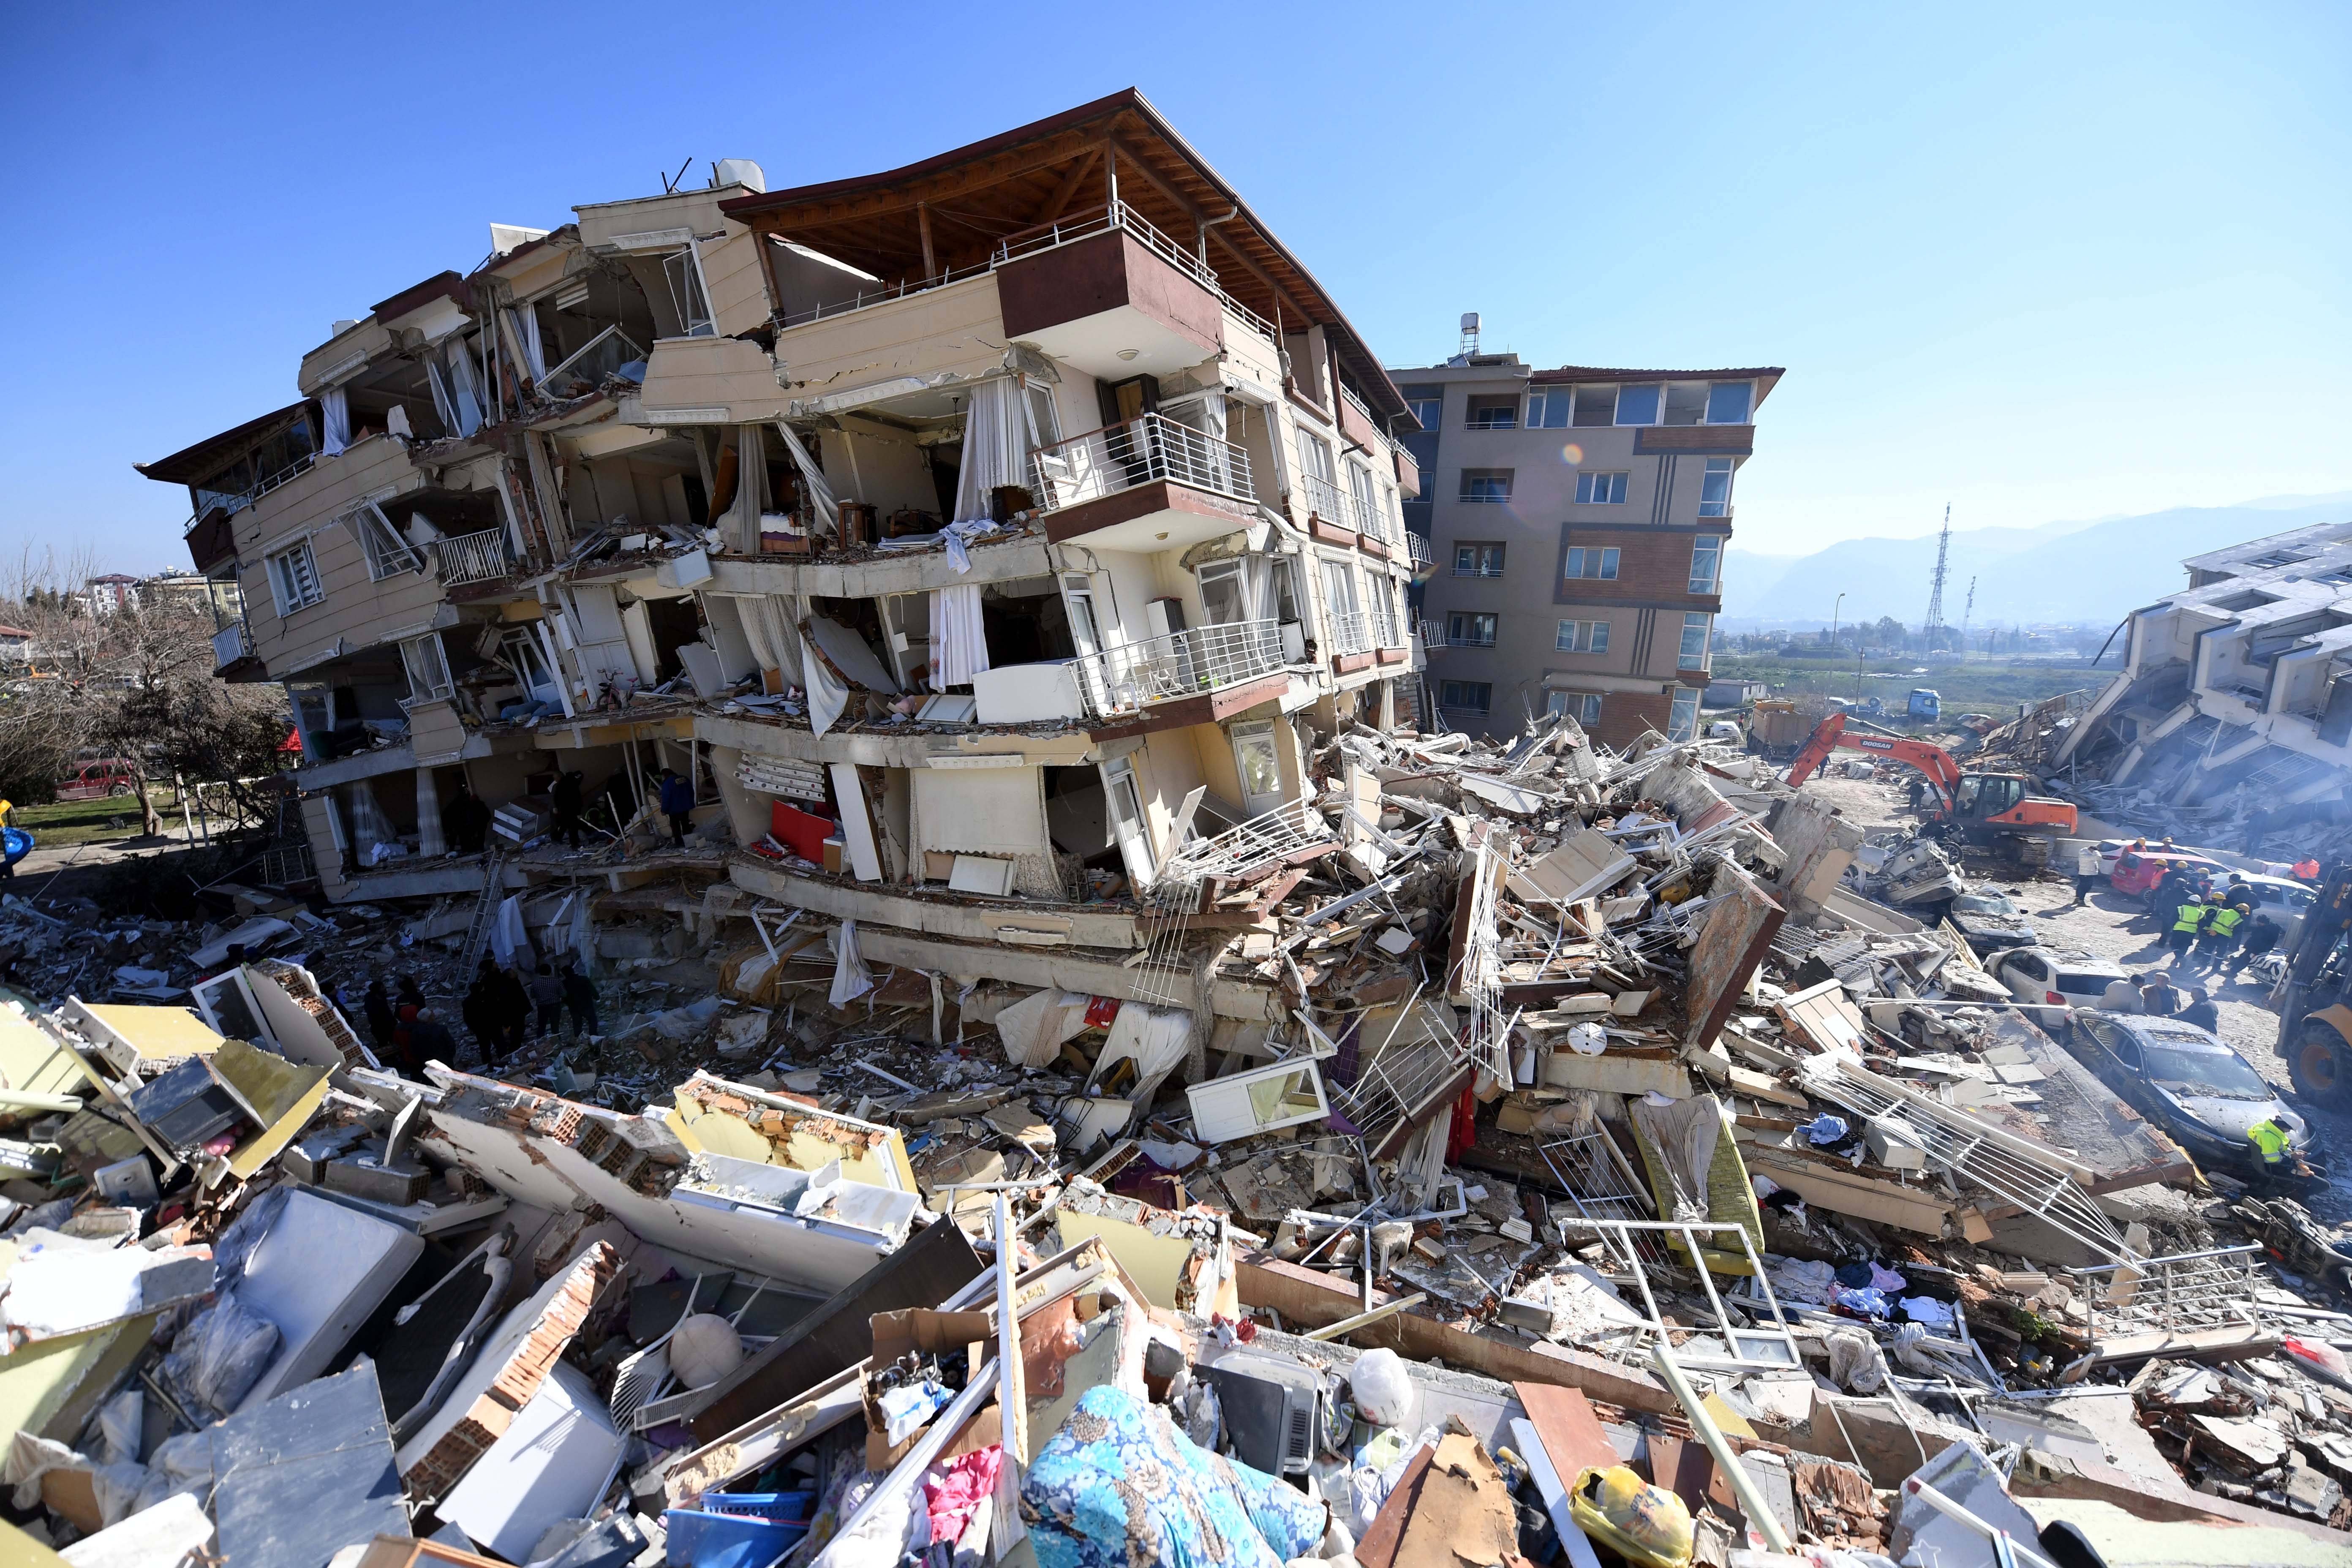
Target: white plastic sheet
827 694
1033 1028
850 979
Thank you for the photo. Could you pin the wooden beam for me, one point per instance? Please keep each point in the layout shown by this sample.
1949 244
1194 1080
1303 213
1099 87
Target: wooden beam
1282 295
923 227
1151 177
822 212
1059 202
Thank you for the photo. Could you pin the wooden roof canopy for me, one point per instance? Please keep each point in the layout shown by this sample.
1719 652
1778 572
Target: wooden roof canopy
1060 169
193 465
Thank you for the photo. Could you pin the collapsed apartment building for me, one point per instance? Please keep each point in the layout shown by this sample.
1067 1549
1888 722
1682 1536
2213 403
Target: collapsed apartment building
2231 718
960 507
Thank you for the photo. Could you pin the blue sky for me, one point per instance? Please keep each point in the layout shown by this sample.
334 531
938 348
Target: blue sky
2041 266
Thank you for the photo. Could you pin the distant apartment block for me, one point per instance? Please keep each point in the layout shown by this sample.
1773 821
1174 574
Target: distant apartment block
1577 519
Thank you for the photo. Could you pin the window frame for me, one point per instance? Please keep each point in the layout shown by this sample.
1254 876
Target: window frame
1446 688
1711 546
1502 477
1596 637
1476 418
707 326
281 581
1589 481
1725 468
1482 567
1702 624
1606 558
1540 404
388 553
1568 638
1747 414
1682 713
1462 628
1366 494
1657 394
430 642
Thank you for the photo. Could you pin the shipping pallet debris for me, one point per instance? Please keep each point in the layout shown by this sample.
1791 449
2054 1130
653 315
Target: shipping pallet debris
1512 1152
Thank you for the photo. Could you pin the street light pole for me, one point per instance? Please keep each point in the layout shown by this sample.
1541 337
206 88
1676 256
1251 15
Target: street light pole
1834 610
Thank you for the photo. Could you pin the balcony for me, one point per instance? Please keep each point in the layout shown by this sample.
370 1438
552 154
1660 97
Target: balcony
231 642
473 557
1351 641
1146 485
1288 834
1238 665
1418 551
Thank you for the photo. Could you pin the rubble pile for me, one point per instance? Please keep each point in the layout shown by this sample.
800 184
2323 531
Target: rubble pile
1524 1152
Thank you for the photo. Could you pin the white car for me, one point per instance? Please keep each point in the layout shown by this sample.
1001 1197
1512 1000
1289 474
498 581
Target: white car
2055 979
2280 898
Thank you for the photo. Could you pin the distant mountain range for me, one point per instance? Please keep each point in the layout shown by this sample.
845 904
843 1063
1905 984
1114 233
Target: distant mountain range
2088 572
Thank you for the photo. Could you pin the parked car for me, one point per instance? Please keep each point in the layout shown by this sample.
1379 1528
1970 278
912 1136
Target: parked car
2136 875
110 775
2060 977
1991 920
2197 1090
2280 898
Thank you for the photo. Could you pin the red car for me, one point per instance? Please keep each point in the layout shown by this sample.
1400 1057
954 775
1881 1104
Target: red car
115 775
2137 873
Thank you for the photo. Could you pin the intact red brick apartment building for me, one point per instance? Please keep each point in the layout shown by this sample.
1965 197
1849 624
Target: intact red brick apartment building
1577 519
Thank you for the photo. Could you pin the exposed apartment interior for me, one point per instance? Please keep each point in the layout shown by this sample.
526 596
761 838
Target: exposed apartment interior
1003 529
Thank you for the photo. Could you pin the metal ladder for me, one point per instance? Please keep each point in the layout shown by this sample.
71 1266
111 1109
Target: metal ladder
485 909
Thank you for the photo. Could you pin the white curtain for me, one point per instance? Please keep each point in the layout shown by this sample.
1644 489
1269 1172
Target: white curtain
959 640
995 447
526 331
851 979
827 694
337 411
812 476
464 396
428 814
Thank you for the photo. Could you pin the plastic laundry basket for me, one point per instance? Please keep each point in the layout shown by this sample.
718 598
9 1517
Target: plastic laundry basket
738 1530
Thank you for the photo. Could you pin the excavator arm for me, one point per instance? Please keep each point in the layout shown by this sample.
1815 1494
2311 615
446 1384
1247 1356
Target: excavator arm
1830 735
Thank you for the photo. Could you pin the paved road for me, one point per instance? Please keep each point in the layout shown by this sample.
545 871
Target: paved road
2115 927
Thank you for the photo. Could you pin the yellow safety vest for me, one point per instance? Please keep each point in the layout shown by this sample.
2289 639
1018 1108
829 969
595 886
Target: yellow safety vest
2188 917
2270 1139
2225 922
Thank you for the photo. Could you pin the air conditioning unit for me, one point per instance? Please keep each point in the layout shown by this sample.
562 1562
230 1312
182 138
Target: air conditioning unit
1273 1409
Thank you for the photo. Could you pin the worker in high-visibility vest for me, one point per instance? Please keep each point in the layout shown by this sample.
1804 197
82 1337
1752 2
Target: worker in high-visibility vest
2219 936
2269 1142
2185 921
2306 869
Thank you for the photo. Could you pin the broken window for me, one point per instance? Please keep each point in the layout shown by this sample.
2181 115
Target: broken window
294 578
1244 1104
1255 761
428 668
585 369
1686 403
1583 706
1681 718
386 551
1596 405
1126 803
683 269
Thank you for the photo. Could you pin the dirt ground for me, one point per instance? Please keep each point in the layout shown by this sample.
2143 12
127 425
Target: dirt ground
2115 927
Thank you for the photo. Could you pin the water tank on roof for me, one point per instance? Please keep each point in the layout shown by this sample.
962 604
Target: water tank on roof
741 172
1470 320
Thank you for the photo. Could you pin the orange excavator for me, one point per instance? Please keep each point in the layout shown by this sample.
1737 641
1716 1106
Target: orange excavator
1981 808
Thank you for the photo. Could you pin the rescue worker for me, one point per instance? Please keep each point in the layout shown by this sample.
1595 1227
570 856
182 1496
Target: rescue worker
2306 870
2261 935
2271 1143
2220 936
2087 868
2185 921
678 805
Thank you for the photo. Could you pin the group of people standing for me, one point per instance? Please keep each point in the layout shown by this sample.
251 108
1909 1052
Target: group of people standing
500 1010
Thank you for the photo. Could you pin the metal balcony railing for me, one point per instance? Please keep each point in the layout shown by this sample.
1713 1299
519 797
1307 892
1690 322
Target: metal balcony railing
1417 550
473 557
239 500
231 642
1356 400
1121 456
1323 499
1133 675
1240 851
1351 632
1432 634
